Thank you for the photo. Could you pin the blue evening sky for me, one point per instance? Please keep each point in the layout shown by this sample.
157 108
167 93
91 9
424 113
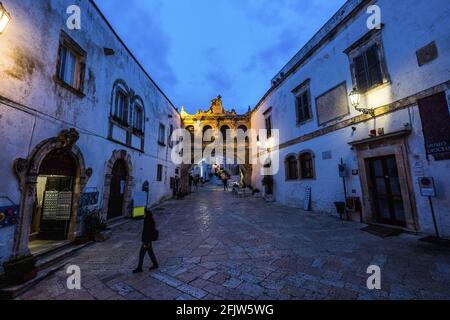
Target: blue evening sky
197 49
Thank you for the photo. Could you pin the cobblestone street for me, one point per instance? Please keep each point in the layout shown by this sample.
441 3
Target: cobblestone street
216 246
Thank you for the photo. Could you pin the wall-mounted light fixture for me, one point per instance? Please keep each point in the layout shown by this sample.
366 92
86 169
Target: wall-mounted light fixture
5 17
355 99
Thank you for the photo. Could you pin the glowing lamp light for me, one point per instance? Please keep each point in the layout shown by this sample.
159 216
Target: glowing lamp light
355 99
5 18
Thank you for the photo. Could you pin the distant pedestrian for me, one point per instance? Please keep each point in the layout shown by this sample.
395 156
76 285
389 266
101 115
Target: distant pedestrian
225 182
196 182
149 234
191 182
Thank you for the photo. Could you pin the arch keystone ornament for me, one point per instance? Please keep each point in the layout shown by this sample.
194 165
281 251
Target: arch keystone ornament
21 266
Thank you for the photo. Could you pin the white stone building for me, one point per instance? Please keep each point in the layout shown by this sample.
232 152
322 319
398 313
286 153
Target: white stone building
81 124
402 71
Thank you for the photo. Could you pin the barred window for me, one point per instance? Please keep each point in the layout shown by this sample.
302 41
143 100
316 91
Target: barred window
291 168
307 165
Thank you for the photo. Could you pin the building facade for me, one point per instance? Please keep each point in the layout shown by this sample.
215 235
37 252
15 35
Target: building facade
223 124
390 134
82 126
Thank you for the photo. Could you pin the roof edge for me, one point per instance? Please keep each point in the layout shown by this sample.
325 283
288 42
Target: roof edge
329 29
131 53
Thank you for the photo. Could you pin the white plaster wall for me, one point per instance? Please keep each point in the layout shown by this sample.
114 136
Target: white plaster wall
28 51
408 27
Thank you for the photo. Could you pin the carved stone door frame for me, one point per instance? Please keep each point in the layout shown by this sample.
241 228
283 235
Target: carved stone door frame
393 144
27 172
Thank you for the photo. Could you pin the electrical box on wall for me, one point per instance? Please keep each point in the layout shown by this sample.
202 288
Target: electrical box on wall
427 188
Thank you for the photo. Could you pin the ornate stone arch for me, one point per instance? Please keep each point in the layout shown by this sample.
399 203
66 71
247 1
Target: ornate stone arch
27 172
116 156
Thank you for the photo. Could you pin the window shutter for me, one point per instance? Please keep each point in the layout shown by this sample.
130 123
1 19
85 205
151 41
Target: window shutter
374 66
306 114
81 76
361 73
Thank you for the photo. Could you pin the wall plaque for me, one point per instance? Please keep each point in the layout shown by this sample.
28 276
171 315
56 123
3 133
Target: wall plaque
333 104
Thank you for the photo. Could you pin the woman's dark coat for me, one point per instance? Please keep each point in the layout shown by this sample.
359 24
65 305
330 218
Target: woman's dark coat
149 232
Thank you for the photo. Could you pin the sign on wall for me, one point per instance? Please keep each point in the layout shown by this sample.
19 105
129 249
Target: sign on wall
427 188
333 104
434 112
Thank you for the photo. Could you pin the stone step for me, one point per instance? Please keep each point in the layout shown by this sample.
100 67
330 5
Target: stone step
48 259
47 263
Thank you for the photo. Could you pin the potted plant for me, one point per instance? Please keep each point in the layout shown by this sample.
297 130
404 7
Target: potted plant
94 225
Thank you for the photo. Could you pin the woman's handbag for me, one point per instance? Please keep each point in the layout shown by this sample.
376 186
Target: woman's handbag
155 235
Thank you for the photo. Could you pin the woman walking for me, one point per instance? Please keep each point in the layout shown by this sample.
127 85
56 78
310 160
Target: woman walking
149 234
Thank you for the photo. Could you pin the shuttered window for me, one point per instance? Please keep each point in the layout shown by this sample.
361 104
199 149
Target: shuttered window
368 72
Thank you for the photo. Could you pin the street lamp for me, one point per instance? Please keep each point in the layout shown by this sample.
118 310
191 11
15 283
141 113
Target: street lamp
355 99
5 17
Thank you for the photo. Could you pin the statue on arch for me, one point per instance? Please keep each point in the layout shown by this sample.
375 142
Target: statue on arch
216 105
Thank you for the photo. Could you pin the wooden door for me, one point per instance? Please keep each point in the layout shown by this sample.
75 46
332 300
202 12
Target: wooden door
386 191
117 191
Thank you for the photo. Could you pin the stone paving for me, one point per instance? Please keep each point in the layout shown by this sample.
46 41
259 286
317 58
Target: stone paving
216 246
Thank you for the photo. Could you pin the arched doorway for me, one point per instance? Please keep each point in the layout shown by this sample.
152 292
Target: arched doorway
54 196
117 190
54 157
119 182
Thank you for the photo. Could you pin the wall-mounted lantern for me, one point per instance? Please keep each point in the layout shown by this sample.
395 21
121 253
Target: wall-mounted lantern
5 17
355 99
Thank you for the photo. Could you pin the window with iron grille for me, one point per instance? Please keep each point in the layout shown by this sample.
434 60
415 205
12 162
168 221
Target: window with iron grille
291 168
307 166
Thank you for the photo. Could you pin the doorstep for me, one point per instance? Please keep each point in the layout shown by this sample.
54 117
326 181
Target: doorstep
47 263
404 229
